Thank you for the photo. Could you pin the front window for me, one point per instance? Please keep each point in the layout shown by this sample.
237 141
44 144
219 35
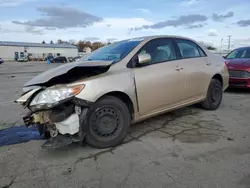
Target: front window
239 54
114 52
160 50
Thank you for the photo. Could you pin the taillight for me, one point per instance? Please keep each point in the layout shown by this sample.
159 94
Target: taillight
226 63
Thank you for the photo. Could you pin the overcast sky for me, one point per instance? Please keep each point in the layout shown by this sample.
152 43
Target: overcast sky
202 20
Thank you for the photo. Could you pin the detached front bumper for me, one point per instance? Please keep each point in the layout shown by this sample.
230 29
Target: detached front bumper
239 82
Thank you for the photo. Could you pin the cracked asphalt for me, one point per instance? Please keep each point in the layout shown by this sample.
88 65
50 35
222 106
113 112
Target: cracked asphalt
186 148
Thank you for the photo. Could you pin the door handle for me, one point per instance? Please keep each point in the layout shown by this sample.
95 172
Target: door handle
209 64
178 68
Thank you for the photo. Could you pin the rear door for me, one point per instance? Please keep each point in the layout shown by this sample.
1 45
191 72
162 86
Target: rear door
196 67
159 84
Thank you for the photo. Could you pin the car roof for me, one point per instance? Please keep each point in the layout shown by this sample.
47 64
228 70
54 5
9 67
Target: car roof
157 36
242 48
148 38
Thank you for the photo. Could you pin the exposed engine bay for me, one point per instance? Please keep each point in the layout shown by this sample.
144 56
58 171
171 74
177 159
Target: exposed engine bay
60 124
75 74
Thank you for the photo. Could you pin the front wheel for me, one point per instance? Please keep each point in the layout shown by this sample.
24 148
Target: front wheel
214 95
108 122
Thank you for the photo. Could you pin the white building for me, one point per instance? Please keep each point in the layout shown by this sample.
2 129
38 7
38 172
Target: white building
87 50
35 51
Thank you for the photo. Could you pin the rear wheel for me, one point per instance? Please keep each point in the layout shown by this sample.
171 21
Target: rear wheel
108 122
214 95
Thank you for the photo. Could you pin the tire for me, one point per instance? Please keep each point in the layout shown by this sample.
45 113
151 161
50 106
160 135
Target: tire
107 123
214 95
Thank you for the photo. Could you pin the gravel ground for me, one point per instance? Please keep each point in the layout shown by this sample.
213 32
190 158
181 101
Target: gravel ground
189 147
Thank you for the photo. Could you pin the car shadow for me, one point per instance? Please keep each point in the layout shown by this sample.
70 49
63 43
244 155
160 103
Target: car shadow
238 90
137 131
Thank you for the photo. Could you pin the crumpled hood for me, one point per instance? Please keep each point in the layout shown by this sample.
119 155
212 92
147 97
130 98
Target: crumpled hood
63 69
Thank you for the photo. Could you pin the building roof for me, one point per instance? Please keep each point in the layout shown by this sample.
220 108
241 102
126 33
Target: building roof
28 44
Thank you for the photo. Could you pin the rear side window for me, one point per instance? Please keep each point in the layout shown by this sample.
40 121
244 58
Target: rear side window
202 53
189 49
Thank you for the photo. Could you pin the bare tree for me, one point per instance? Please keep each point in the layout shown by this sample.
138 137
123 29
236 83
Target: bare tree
211 48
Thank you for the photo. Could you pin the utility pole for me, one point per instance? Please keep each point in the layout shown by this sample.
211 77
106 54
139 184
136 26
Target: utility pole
221 40
229 40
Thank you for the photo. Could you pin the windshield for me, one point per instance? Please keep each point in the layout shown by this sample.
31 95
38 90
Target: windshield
239 54
114 52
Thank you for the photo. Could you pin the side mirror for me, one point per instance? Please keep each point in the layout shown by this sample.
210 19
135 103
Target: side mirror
144 58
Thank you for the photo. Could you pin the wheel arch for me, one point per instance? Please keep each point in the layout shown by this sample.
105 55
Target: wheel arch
123 97
218 77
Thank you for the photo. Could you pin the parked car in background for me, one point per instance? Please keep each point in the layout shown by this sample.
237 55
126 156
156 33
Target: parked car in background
59 59
22 59
98 97
1 60
76 58
70 59
239 67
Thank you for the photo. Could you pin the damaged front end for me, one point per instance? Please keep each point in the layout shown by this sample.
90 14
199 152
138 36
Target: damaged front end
54 107
57 113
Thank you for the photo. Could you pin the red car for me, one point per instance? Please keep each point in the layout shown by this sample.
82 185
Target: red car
239 67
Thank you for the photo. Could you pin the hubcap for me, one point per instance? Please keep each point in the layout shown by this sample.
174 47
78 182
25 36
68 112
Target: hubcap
105 122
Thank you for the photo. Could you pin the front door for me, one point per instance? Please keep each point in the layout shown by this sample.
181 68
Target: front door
159 83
